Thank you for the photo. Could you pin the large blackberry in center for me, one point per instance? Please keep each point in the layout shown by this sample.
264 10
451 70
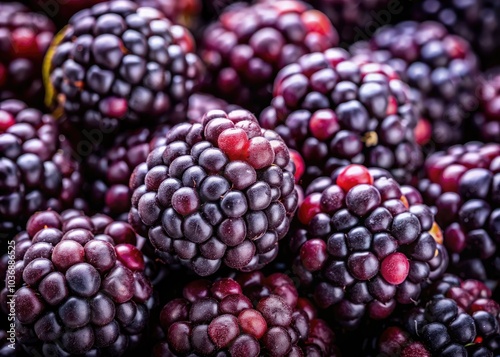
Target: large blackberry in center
365 245
80 286
251 316
220 192
117 66
336 110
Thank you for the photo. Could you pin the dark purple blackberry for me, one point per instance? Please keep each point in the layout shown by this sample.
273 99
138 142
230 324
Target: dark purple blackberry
117 66
253 316
365 246
108 171
440 68
249 44
337 111
487 119
220 192
476 21
24 38
81 287
461 319
463 183
37 170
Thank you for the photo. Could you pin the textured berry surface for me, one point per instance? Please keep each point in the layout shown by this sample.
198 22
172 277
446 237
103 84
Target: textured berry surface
37 170
335 110
440 68
80 283
463 183
365 249
220 192
24 38
251 316
117 66
249 44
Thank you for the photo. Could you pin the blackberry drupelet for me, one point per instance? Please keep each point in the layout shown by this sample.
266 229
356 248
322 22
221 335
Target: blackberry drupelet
440 68
365 245
460 319
117 66
81 287
487 119
475 21
37 170
249 44
250 317
336 110
219 192
24 38
463 183
108 171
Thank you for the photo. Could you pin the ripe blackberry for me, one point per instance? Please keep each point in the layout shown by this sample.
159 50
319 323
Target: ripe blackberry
336 110
81 287
250 317
463 183
117 66
108 171
440 68
365 245
461 319
37 170
220 192
475 21
24 38
487 119
249 44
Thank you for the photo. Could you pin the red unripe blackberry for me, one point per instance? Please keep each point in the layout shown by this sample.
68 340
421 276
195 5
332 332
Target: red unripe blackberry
25 36
219 192
463 183
251 316
37 169
337 110
440 68
365 249
118 66
249 44
80 285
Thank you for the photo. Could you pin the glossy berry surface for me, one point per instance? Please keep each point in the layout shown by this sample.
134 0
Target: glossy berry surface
463 185
25 37
251 316
336 110
80 283
118 66
37 170
220 192
249 44
440 68
365 249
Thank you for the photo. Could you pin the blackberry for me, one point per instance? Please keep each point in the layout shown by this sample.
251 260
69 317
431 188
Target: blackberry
487 119
440 68
118 66
460 319
80 283
249 44
365 246
251 316
24 39
108 171
475 21
37 170
220 192
463 183
336 110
